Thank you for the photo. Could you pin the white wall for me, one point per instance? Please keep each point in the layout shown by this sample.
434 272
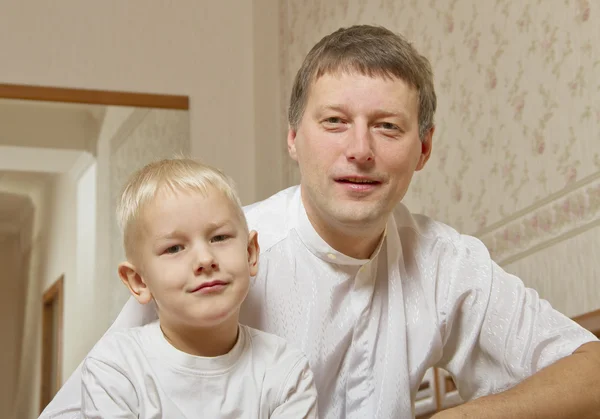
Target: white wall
52 255
79 295
269 104
203 49
23 387
106 284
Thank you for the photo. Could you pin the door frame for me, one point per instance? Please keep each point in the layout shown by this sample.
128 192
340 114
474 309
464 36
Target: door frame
53 295
93 97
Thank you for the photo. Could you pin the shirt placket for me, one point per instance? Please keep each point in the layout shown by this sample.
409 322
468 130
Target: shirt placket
360 386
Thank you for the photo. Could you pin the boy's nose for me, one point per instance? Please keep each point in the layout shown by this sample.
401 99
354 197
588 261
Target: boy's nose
203 268
205 262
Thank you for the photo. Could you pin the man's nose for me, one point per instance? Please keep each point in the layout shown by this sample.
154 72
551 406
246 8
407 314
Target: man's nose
360 145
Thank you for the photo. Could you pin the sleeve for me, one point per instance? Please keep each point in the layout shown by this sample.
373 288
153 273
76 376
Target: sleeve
106 392
66 404
495 331
298 395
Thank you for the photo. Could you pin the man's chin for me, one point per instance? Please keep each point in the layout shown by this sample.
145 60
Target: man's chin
359 218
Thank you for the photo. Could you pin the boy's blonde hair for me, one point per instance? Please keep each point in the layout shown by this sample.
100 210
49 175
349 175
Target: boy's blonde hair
178 175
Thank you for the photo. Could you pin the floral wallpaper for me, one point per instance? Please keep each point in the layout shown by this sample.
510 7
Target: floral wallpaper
516 158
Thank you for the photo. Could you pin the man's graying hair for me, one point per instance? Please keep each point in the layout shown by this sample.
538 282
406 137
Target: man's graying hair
370 51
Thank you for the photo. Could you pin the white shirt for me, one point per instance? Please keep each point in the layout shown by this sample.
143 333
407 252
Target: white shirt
137 373
429 296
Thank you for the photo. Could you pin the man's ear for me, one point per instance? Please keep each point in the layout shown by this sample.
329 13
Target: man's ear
426 145
253 252
134 282
291 142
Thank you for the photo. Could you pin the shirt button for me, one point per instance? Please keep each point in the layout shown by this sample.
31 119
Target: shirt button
331 256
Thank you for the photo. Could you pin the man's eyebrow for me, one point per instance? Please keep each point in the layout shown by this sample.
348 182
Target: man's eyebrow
384 113
378 113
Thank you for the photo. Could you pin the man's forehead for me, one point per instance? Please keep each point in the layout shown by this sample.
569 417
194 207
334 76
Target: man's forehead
338 89
355 71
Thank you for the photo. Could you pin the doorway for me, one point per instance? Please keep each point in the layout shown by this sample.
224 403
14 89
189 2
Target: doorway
52 331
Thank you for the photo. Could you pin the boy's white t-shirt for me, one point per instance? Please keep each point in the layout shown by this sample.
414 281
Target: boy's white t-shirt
137 373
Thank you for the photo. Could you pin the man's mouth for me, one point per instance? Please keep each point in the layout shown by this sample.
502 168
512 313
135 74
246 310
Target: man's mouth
358 181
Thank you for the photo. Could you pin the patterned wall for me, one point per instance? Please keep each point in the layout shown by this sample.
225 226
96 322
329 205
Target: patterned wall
148 134
516 156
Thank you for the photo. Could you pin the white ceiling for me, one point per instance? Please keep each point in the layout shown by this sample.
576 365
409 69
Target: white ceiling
65 126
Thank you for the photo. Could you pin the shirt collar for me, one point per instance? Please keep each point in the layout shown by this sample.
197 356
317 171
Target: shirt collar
319 247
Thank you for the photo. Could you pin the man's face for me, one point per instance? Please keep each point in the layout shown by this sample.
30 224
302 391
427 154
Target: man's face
195 258
357 147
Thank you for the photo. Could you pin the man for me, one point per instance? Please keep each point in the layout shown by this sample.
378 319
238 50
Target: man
374 295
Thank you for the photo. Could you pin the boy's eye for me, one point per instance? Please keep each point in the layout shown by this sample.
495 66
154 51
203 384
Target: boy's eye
219 238
174 249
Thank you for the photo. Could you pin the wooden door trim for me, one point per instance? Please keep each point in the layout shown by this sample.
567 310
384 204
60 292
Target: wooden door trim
93 97
54 293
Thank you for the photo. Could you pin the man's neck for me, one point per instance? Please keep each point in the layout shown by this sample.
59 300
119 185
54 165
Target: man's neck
206 342
359 244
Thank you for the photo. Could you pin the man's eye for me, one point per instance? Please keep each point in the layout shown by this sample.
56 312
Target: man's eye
389 126
220 238
174 249
333 120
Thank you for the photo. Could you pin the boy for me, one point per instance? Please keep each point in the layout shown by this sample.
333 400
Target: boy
190 253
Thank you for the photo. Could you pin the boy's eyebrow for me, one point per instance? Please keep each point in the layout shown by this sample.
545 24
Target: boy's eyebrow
215 225
211 226
169 235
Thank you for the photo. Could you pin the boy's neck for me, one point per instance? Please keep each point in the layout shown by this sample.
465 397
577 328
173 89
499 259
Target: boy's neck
206 342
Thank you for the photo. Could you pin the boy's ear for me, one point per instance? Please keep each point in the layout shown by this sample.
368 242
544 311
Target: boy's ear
253 252
134 282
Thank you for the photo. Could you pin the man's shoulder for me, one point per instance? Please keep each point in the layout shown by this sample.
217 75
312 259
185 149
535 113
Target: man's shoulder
275 350
424 226
284 368
270 217
422 231
120 346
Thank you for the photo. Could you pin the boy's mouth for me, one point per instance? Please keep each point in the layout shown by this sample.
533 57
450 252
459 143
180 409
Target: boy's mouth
210 286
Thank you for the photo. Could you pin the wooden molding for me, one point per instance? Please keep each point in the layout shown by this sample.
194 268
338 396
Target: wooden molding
93 97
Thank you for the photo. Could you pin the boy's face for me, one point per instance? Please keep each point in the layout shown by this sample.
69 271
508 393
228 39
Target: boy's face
194 258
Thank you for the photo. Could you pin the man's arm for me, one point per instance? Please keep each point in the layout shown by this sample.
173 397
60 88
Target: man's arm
66 404
298 395
106 392
507 349
567 389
